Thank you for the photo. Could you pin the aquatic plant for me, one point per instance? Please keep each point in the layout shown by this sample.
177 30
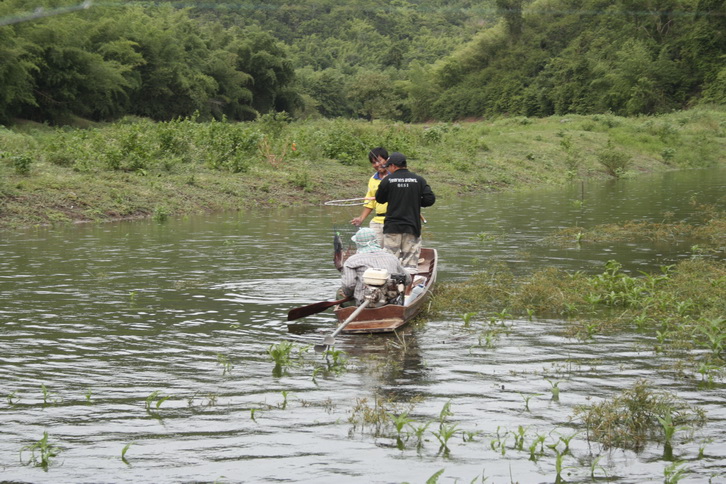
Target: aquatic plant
485 237
538 442
89 392
435 477
365 416
13 398
399 422
445 412
446 431
674 472
669 429
498 442
41 453
559 465
501 316
124 450
155 400
48 397
419 431
400 342
284 393
519 437
702 448
280 354
555 389
630 419
487 338
527 398
225 363
467 318
566 439
211 401
339 360
714 329
595 466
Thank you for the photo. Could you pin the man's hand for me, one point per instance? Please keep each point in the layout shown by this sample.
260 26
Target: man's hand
357 221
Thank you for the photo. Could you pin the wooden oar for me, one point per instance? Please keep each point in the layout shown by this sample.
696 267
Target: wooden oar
330 339
304 311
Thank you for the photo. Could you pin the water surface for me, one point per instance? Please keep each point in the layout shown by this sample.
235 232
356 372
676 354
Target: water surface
106 315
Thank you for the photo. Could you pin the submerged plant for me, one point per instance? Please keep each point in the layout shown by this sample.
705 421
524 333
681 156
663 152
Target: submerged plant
41 453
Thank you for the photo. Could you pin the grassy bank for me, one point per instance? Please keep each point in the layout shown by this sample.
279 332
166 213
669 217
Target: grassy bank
136 168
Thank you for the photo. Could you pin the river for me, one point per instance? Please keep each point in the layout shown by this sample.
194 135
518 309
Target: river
150 340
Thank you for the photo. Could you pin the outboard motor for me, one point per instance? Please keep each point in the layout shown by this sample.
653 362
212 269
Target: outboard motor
382 288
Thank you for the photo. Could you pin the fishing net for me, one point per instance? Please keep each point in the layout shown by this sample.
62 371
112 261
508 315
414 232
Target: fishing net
342 235
348 202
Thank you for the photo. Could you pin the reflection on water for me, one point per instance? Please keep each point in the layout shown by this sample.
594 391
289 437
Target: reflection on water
158 335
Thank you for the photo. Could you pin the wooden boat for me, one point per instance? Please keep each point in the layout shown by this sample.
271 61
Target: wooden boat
392 316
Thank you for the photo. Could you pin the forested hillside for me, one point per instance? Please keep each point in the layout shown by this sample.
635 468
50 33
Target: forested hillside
409 60
564 56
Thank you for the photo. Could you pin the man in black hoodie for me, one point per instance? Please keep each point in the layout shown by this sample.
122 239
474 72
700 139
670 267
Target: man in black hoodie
405 192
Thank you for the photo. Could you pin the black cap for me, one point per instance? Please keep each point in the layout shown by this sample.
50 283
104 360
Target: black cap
397 159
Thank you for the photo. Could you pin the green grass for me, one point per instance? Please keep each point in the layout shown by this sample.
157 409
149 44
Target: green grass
139 169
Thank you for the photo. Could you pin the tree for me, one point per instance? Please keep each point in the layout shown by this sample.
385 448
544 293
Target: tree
373 95
17 70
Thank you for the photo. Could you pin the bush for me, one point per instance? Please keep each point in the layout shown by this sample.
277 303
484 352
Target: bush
615 162
227 146
21 163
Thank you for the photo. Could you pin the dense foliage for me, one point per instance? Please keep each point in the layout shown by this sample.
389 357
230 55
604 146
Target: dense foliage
409 60
105 62
561 56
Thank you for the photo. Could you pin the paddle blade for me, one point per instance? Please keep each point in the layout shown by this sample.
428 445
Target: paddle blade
304 311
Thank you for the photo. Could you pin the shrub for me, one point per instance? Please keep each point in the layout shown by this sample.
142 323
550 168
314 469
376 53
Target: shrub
615 162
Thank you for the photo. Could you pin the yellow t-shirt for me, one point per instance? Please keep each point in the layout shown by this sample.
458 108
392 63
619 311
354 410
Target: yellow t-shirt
379 209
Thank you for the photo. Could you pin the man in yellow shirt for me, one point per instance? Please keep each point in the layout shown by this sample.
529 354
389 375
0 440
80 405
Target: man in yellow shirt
378 158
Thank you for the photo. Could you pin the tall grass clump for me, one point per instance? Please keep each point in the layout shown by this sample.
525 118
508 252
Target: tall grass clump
634 417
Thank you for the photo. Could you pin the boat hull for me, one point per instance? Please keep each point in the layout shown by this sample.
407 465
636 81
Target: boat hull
391 317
